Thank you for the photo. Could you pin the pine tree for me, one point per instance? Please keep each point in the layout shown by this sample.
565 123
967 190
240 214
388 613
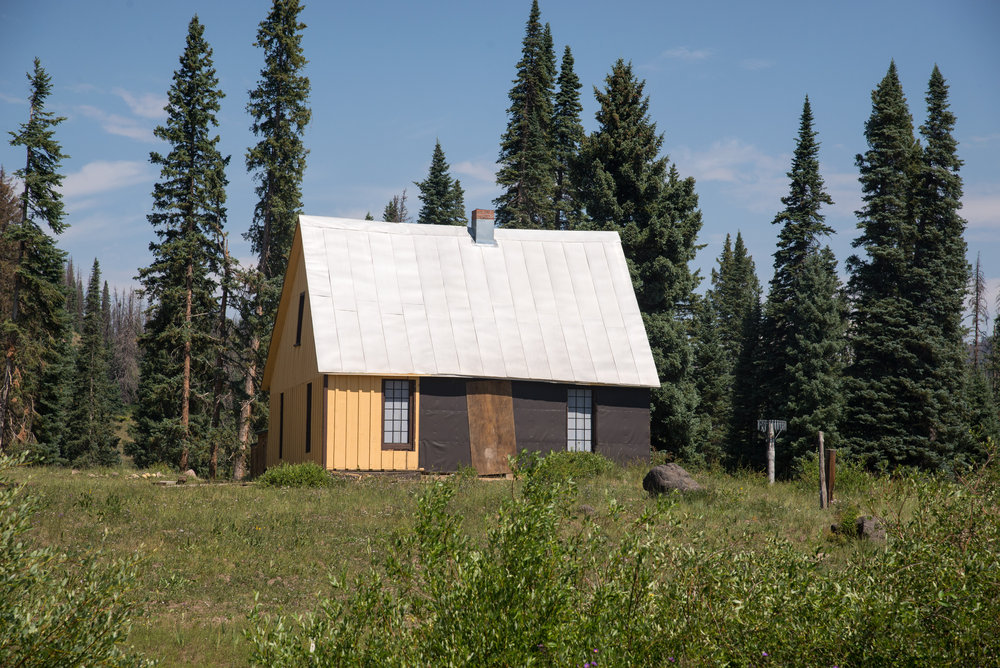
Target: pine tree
803 318
890 416
92 441
527 159
712 374
188 211
127 327
35 323
442 196
982 417
941 276
625 186
280 112
979 310
567 136
735 295
745 447
395 211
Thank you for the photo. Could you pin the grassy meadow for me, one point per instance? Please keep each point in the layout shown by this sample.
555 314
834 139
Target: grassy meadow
210 552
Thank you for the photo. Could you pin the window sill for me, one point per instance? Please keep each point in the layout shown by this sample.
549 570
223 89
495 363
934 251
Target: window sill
405 447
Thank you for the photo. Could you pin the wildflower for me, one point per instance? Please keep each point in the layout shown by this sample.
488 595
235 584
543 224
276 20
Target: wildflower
763 653
595 650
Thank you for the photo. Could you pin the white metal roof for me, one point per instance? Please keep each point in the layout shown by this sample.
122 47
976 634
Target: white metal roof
393 298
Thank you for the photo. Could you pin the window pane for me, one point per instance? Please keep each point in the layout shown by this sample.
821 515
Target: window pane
395 416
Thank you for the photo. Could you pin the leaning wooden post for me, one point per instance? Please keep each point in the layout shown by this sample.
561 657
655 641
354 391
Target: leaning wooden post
770 452
822 473
831 474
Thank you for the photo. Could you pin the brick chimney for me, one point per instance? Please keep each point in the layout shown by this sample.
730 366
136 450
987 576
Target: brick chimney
482 227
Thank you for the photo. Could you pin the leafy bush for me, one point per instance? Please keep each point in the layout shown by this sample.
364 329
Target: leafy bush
57 609
549 588
562 466
295 475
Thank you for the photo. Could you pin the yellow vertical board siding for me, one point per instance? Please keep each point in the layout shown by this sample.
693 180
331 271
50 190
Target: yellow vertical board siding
340 436
356 415
364 424
329 396
375 426
352 423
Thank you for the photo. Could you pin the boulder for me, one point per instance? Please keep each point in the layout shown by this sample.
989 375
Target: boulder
190 474
871 528
667 477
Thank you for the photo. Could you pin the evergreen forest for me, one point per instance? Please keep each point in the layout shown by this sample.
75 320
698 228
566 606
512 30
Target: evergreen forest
875 350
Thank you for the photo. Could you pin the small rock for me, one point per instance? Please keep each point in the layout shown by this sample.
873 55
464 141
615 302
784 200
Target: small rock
74 472
871 528
666 477
191 474
587 510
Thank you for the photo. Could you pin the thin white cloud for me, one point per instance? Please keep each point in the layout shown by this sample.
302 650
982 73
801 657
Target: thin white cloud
119 125
479 170
103 176
84 88
754 64
686 54
10 99
751 177
845 190
983 139
147 105
982 210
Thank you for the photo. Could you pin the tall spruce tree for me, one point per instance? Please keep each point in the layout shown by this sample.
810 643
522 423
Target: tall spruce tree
735 296
35 324
712 374
893 414
179 346
567 135
802 338
443 202
280 113
626 186
941 276
92 442
527 160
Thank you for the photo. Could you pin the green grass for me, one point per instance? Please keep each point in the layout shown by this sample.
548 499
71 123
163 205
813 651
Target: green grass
210 550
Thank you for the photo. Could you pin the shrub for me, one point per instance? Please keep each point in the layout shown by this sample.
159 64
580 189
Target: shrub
57 609
548 588
295 475
563 466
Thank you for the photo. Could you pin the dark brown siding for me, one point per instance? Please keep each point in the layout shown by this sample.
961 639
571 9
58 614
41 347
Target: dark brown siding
540 416
622 423
444 425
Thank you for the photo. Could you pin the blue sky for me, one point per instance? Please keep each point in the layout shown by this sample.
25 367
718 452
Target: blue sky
726 82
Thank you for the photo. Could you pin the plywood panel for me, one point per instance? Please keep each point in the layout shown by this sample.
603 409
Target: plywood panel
491 425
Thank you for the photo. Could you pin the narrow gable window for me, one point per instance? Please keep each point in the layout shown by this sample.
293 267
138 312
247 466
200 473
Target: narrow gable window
579 420
397 414
309 416
298 321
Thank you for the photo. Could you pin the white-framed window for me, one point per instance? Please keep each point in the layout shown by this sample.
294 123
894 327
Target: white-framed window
397 414
579 419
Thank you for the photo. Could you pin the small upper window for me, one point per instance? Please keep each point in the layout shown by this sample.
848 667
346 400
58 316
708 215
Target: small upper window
298 322
397 414
579 420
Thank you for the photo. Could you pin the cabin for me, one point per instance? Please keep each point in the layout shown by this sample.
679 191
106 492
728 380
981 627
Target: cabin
404 347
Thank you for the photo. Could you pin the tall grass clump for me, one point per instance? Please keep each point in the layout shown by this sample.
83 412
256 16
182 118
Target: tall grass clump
295 475
58 609
551 586
562 466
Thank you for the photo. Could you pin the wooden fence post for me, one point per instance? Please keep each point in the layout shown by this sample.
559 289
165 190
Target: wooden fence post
831 474
822 474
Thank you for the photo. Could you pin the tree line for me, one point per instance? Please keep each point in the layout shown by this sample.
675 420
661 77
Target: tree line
878 363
